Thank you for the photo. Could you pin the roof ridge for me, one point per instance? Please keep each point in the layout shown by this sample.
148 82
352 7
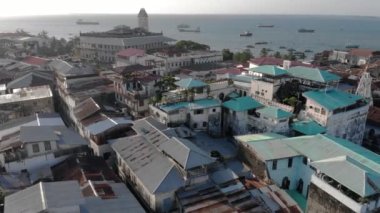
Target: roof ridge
43 198
163 178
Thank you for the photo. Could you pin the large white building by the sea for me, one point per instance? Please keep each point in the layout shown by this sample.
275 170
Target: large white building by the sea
102 46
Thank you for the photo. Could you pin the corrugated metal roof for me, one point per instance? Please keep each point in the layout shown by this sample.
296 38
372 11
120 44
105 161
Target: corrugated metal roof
86 108
44 196
106 124
242 104
189 83
269 70
308 127
274 112
259 137
332 99
313 74
37 134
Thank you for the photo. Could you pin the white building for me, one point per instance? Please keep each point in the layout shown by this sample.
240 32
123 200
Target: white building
103 46
272 119
343 114
331 174
143 20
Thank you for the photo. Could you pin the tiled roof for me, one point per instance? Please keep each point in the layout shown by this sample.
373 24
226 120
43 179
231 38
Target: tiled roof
126 53
332 99
242 104
313 74
189 83
361 52
132 68
274 112
308 127
269 70
33 60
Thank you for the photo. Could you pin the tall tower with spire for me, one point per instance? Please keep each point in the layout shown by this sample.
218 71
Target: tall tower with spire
143 20
364 86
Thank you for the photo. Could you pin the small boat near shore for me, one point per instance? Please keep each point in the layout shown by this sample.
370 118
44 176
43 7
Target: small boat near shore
246 34
352 46
183 26
265 26
303 30
250 46
261 43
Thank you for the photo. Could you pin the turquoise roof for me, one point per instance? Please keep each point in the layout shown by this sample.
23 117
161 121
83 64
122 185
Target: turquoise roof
341 154
251 138
233 95
332 99
189 83
274 112
243 78
308 127
197 104
269 70
242 104
313 74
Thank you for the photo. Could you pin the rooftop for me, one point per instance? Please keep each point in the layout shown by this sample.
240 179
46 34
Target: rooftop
361 52
32 79
332 99
123 31
37 134
269 70
313 74
126 53
242 104
275 62
33 60
27 94
337 158
274 112
308 127
142 13
190 83
197 104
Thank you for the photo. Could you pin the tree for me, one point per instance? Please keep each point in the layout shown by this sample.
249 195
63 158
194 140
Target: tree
191 45
43 34
166 83
242 57
227 55
264 52
277 55
292 101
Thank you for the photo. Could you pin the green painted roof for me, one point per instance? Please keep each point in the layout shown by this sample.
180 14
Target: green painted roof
269 70
189 83
323 148
233 95
313 74
243 78
332 99
274 112
197 104
308 127
242 104
258 137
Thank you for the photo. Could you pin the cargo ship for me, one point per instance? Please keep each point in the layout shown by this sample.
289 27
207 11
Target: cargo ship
246 33
265 26
303 30
196 30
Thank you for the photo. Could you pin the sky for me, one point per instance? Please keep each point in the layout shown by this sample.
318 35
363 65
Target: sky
11 8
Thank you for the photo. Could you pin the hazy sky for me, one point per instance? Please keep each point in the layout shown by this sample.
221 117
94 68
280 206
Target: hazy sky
330 7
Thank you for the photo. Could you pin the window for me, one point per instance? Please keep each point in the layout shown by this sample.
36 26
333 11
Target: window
274 165
213 110
36 148
47 145
304 160
323 111
317 110
198 111
204 124
290 162
195 125
141 102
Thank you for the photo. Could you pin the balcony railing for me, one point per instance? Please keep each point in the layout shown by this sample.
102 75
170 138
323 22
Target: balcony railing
15 156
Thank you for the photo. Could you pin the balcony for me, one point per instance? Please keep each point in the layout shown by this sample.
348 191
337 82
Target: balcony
17 155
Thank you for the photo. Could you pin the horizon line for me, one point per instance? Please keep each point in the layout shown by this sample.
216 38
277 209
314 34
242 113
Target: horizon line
192 14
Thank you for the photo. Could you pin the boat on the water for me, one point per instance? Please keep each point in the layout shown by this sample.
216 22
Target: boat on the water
265 26
250 46
282 47
246 33
83 22
183 26
308 51
352 46
291 50
196 30
261 43
303 30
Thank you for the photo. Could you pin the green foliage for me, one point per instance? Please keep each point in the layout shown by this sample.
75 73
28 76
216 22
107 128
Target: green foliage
291 101
277 55
227 55
264 52
166 83
191 45
242 57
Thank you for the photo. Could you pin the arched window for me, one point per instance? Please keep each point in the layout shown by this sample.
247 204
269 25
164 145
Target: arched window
285 183
300 186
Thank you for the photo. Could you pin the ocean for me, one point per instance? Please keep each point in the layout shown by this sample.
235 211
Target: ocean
222 31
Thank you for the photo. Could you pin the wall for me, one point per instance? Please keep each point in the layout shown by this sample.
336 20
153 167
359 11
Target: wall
320 201
34 163
263 89
252 160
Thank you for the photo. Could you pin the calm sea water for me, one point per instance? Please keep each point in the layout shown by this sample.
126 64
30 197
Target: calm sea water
222 31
